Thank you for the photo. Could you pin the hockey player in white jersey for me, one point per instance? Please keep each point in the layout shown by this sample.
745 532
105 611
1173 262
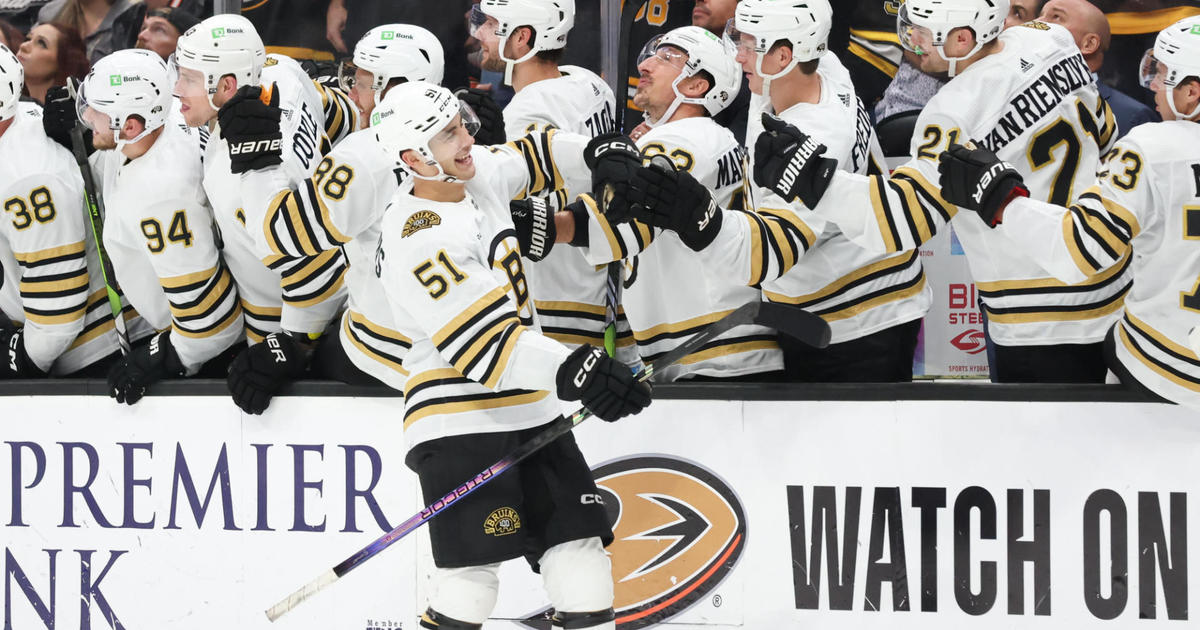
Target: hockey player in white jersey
1026 94
484 378
687 75
52 289
286 304
159 228
525 39
342 203
1147 199
873 302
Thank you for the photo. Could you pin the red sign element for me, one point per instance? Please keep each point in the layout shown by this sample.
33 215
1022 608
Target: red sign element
970 341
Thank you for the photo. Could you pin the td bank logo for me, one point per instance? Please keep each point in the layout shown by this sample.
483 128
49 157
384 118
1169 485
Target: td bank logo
388 35
678 530
114 80
218 33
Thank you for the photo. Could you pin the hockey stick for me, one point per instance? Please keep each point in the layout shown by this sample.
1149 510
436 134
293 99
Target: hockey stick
95 212
787 319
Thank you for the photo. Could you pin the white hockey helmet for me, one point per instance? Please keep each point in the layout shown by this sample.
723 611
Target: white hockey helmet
130 82
706 52
223 44
1174 58
409 118
933 20
395 51
551 19
12 82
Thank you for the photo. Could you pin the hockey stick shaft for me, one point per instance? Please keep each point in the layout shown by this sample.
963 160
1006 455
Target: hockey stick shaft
95 211
805 326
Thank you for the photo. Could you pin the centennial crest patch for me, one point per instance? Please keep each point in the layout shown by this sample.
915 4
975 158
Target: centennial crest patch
502 522
420 221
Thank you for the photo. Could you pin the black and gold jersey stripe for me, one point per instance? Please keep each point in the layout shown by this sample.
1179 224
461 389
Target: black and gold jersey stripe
1097 232
1168 359
203 303
54 284
446 391
312 280
341 114
383 345
480 340
261 320
889 280
535 149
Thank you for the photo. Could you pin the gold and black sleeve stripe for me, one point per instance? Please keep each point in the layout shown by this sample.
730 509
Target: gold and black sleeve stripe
480 340
298 224
203 303
54 284
535 149
261 320
1097 232
341 115
313 280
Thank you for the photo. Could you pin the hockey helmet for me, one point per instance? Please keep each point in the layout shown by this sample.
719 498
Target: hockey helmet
12 82
1174 58
223 44
704 51
550 19
395 51
411 116
126 83
924 24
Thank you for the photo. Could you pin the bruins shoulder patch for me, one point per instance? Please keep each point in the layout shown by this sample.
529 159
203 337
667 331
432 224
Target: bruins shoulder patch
1036 25
271 61
420 221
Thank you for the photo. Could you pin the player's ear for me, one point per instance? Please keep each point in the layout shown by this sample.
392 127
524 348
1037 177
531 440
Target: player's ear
1189 93
132 127
522 39
694 87
1090 44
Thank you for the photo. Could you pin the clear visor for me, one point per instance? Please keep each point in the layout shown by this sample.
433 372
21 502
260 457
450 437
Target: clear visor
346 72
1151 71
664 53
913 38
448 136
188 82
739 41
481 23
91 118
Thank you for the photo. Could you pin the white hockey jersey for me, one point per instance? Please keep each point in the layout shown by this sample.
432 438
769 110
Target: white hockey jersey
341 205
455 280
1147 199
53 284
569 291
669 294
800 259
1036 105
312 289
160 236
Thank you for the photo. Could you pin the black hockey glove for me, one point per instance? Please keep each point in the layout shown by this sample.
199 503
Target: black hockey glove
258 373
147 364
251 127
16 362
534 220
790 163
491 117
59 118
975 179
663 197
612 158
603 384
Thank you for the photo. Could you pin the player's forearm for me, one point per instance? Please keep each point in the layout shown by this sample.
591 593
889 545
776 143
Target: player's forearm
533 364
1054 238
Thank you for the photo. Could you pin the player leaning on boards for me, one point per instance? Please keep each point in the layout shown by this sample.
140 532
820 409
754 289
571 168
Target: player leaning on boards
873 302
1026 94
483 374
525 39
342 202
216 58
1147 200
159 229
687 75
55 319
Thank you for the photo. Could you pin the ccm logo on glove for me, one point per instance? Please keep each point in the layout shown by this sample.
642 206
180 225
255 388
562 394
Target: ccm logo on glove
588 365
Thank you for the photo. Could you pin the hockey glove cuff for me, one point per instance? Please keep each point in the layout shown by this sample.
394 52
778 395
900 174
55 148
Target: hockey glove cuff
59 118
147 364
613 158
491 117
790 163
533 219
251 127
663 197
17 363
975 179
261 370
604 385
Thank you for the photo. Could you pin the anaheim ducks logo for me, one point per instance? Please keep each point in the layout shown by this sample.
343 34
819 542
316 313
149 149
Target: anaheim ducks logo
678 530
420 221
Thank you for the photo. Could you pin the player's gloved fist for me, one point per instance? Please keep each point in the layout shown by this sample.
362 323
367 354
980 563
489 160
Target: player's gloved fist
534 220
16 362
975 179
129 378
258 373
59 117
790 163
491 117
604 385
663 197
251 127
613 158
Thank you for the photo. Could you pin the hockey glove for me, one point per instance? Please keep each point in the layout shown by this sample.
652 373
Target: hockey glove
258 373
604 385
251 127
975 179
147 364
534 220
613 158
491 117
663 197
790 163
59 118
16 362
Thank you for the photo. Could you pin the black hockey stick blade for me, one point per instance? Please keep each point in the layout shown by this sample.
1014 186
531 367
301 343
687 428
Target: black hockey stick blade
794 322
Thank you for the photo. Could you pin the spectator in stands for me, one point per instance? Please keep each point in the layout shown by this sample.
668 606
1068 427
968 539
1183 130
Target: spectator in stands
52 53
11 35
295 28
198 8
1022 11
106 25
162 28
1092 34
